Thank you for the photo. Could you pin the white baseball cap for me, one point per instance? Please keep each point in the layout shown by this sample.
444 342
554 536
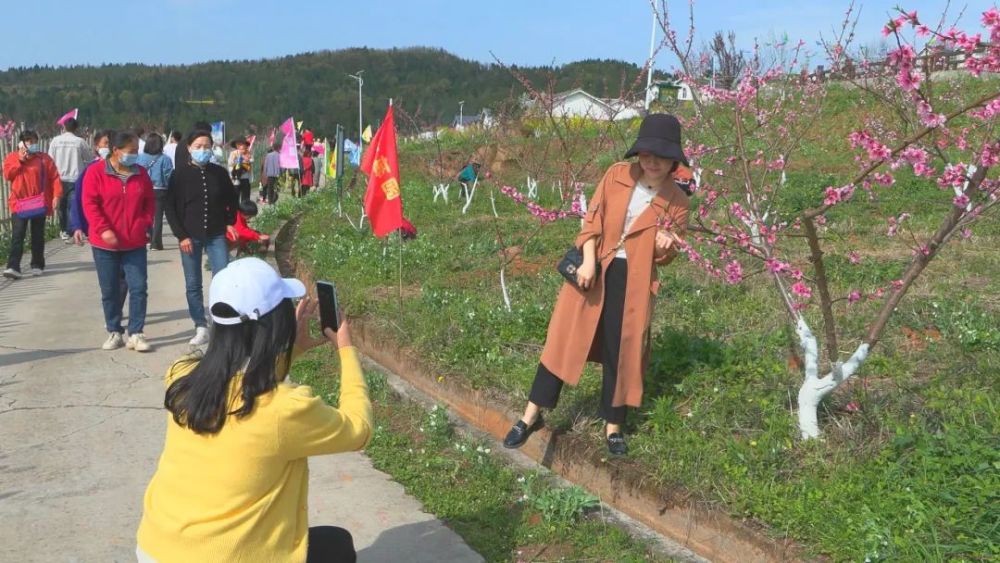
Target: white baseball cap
252 288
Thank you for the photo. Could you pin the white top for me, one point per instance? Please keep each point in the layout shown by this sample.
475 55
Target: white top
642 196
170 149
71 155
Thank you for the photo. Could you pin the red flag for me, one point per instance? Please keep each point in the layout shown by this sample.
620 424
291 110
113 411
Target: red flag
383 203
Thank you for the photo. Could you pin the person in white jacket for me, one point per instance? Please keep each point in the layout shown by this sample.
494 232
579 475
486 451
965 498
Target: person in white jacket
71 154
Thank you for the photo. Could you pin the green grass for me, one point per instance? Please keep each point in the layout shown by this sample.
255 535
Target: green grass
909 467
503 513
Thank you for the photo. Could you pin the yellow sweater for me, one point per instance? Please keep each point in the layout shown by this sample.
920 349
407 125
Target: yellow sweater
240 495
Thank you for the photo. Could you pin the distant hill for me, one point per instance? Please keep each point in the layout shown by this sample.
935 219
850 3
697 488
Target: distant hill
259 94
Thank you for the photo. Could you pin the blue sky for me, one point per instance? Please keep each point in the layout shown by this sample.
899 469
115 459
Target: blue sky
516 31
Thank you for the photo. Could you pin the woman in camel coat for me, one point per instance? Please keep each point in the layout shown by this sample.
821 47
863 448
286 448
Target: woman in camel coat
636 216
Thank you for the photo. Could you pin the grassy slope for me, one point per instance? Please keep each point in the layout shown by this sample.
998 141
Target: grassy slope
911 474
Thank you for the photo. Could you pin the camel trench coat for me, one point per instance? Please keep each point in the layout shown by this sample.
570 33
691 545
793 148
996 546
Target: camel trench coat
572 337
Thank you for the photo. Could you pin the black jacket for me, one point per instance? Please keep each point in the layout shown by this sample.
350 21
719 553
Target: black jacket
200 201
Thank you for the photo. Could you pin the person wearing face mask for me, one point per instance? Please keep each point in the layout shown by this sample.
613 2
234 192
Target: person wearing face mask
118 203
201 205
159 167
636 216
233 479
77 221
34 185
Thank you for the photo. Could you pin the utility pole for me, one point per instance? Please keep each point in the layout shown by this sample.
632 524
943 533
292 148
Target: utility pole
461 122
649 61
361 127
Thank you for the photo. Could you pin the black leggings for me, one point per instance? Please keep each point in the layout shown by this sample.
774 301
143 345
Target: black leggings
546 387
244 188
330 544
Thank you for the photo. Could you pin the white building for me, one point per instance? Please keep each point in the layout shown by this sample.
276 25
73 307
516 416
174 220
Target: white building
579 103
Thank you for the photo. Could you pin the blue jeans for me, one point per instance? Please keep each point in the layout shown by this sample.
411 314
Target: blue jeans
218 258
110 264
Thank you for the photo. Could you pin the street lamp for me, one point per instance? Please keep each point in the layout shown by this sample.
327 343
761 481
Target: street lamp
461 122
361 127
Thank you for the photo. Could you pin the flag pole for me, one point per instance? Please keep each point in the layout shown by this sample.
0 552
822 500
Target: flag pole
400 233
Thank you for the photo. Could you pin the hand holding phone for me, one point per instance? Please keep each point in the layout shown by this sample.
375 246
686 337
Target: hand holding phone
329 307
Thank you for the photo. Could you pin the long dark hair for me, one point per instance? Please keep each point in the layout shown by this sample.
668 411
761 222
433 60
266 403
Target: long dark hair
201 400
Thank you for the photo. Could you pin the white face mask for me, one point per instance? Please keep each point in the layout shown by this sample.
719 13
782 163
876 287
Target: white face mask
104 152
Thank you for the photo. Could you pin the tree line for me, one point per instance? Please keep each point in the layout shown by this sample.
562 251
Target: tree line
255 95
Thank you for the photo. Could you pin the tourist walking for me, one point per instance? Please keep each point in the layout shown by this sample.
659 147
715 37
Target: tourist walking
201 205
270 170
308 170
240 167
233 480
71 154
34 188
160 168
118 203
603 313
77 220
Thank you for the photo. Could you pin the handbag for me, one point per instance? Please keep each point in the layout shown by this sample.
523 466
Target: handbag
573 259
571 262
30 207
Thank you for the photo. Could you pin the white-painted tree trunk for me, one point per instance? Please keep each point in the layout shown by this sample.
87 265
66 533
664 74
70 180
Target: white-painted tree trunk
503 289
814 388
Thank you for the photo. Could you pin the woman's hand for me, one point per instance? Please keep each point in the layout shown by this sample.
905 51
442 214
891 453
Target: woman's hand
187 247
304 312
233 233
340 338
664 241
585 274
109 238
78 237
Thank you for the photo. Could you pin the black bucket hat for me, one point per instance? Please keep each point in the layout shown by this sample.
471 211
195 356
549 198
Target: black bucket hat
659 134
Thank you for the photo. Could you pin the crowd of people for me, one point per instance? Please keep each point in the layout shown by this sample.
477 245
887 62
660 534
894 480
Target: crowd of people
114 194
232 481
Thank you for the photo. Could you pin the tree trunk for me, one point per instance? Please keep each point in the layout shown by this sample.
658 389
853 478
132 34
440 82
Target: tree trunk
813 387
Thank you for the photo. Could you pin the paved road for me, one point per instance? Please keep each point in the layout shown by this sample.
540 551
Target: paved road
81 429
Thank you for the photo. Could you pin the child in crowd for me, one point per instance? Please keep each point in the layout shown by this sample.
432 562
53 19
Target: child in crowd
247 236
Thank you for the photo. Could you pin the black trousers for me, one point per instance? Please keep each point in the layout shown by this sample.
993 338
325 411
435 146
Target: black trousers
65 201
244 188
546 387
18 232
157 234
330 544
271 190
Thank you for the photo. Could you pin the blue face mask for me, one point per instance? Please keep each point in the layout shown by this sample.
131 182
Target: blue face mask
201 156
127 159
104 152
33 148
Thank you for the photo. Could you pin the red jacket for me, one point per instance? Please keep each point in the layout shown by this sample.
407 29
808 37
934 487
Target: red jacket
35 175
124 208
244 231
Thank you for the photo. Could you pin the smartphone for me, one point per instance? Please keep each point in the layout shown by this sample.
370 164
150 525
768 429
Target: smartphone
329 308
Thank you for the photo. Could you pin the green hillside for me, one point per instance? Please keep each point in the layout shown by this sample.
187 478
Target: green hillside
427 83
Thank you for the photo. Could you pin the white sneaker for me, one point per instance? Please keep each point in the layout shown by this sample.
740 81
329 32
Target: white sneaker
35 272
138 343
66 238
200 337
11 273
114 341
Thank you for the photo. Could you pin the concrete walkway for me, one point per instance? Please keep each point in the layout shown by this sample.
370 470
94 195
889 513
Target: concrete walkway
81 429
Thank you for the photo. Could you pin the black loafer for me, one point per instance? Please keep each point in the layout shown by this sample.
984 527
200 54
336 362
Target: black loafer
520 432
617 445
